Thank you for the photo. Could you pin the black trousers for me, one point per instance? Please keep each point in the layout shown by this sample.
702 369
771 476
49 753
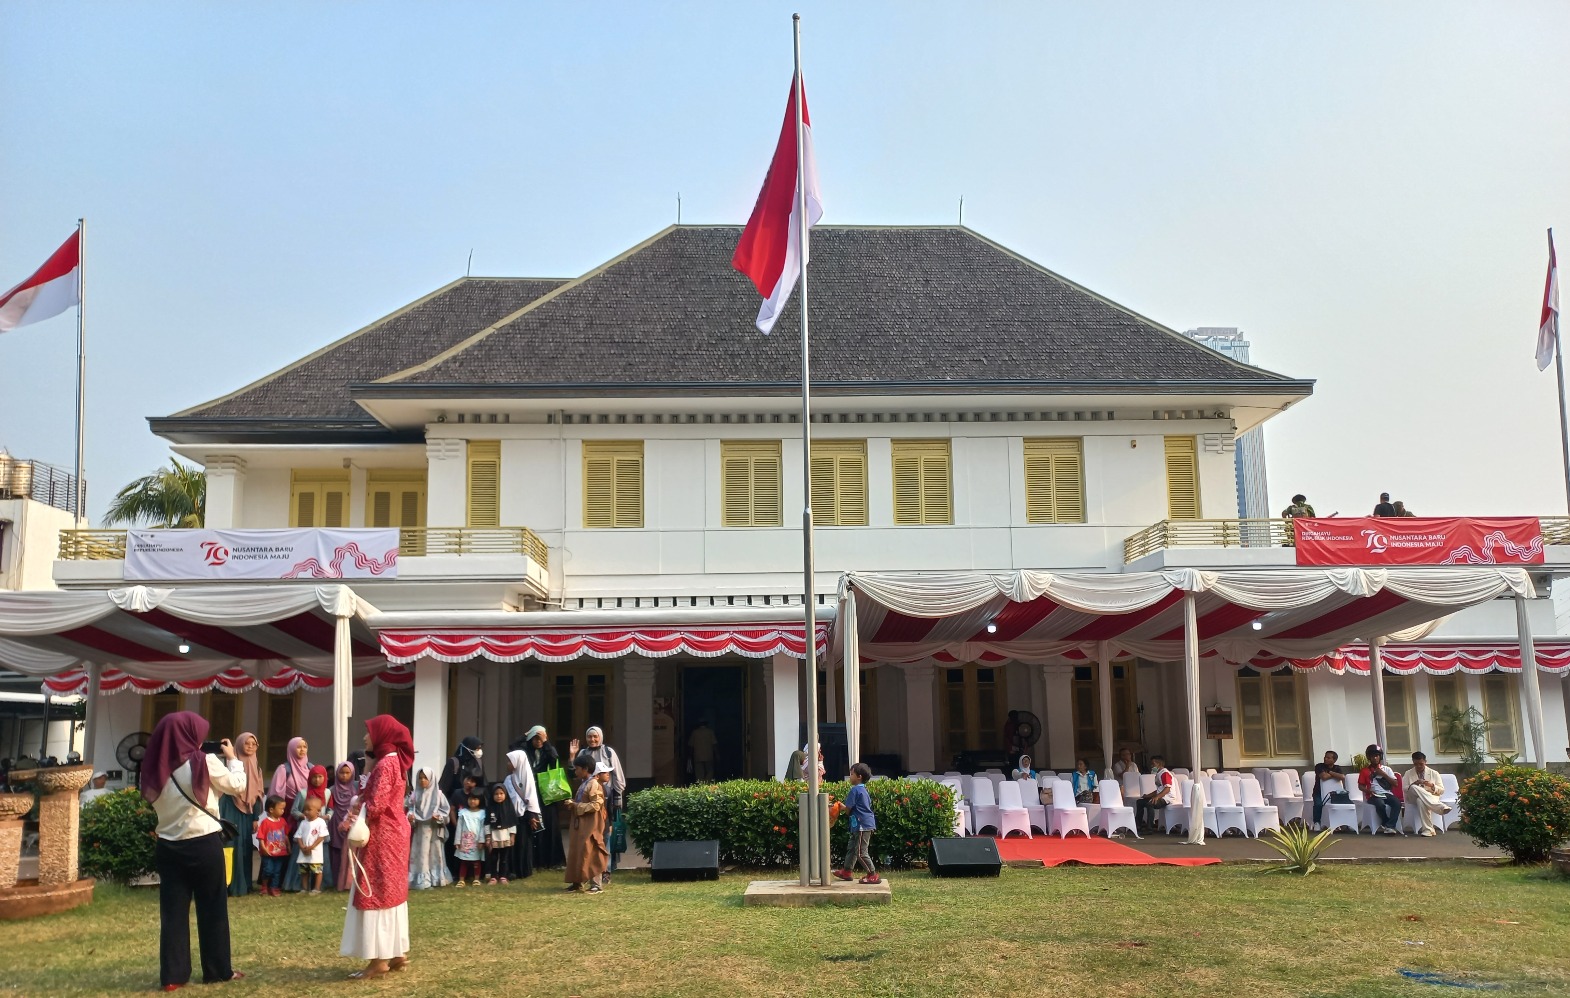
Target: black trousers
192 869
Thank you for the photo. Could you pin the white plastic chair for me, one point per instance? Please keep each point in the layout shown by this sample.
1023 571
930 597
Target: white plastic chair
1180 771
1030 795
1178 816
1451 796
962 819
1147 784
1333 816
1115 814
1288 804
1130 784
1367 817
1257 815
1012 816
1066 815
1298 786
983 807
1224 812
1046 774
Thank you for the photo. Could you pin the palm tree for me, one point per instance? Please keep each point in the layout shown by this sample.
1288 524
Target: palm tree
170 497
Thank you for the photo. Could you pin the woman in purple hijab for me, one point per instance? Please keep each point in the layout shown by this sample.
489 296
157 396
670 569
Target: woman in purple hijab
183 784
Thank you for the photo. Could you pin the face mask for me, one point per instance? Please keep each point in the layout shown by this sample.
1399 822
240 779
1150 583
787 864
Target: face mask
479 753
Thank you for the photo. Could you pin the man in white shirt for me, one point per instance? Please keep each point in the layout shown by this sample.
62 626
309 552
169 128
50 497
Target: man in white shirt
1424 791
96 789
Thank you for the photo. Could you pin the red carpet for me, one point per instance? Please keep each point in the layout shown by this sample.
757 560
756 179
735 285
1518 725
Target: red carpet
1095 851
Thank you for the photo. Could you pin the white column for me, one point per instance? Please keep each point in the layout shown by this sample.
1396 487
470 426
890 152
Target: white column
343 686
1058 681
921 740
358 514
1529 681
225 490
1376 674
1104 663
94 710
446 482
782 677
637 742
430 713
1196 717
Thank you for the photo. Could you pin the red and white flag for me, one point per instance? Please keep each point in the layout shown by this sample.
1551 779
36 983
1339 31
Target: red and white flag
1548 324
770 251
51 290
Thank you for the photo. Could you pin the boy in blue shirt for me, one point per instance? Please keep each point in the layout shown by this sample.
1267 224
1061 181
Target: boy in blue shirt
862 823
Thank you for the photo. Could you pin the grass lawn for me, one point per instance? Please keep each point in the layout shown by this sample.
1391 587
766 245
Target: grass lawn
1158 931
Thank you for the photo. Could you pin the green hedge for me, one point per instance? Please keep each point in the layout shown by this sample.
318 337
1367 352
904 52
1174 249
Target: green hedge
755 820
1524 811
118 836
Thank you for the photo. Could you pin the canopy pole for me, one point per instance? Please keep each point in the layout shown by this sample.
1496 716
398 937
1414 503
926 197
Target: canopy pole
1104 663
1191 683
343 687
1376 674
1534 695
851 665
95 682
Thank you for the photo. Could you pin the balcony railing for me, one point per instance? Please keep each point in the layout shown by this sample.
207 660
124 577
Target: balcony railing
413 542
37 481
1256 534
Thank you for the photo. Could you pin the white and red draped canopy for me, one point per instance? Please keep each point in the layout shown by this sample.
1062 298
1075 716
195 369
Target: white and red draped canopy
560 636
280 638
1305 617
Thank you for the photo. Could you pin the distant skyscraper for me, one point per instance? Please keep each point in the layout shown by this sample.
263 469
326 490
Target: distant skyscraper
1253 498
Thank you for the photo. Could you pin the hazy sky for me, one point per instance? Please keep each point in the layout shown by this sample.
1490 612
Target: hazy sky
1362 188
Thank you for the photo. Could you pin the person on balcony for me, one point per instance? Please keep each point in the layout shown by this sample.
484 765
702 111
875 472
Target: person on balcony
1383 506
1401 510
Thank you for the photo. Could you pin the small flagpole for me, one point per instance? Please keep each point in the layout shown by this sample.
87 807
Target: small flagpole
814 859
1559 370
80 506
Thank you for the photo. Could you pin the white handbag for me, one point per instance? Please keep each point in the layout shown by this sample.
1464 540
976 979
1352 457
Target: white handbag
358 835
359 832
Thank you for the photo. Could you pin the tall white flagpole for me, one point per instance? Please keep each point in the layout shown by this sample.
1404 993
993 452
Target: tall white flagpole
814 859
79 507
1559 370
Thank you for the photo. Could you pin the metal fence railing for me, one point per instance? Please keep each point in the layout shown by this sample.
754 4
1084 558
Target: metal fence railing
1257 534
37 481
413 542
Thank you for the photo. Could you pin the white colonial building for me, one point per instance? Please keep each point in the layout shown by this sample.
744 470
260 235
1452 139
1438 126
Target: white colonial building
598 482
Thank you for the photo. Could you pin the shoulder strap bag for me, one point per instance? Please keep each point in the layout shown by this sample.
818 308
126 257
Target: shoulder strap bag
226 828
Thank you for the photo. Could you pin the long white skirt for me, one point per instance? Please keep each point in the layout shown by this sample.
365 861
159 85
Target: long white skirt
375 935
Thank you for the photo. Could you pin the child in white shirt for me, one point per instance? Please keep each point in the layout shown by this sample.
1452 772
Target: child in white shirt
311 834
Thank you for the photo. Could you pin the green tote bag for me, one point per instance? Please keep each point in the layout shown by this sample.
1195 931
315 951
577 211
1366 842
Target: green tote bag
553 785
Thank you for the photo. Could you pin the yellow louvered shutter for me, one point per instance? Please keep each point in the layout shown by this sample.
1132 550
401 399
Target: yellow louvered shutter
923 487
318 498
485 483
1054 480
839 483
1182 478
751 486
613 483
395 497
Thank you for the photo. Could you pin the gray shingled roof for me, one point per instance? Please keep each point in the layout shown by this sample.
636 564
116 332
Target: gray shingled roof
318 386
934 305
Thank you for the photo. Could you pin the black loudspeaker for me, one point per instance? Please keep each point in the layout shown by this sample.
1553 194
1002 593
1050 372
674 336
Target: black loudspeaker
688 860
974 857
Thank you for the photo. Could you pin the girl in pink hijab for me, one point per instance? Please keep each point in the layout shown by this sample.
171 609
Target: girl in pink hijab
294 774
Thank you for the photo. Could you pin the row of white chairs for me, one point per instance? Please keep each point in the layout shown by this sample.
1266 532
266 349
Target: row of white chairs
1237 802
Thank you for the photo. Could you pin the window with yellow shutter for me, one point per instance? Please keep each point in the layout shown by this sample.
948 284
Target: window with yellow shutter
395 497
1054 480
1270 715
612 483
839 483
485 483
1501 700
318 498
923 482
1447 697
751 490
1182 478
1400 732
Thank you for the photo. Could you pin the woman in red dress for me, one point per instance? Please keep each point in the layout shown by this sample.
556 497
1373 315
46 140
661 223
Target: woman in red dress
376 928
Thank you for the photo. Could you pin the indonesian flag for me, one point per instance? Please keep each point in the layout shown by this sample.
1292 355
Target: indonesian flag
50 291
770 252
1548 324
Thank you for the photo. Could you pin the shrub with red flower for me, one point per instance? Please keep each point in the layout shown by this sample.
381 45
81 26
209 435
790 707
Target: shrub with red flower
1524 811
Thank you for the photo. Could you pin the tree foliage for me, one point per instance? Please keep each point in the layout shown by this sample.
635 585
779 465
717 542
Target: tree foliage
172 497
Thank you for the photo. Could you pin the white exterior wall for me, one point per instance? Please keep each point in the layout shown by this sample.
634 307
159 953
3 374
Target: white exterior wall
32 539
